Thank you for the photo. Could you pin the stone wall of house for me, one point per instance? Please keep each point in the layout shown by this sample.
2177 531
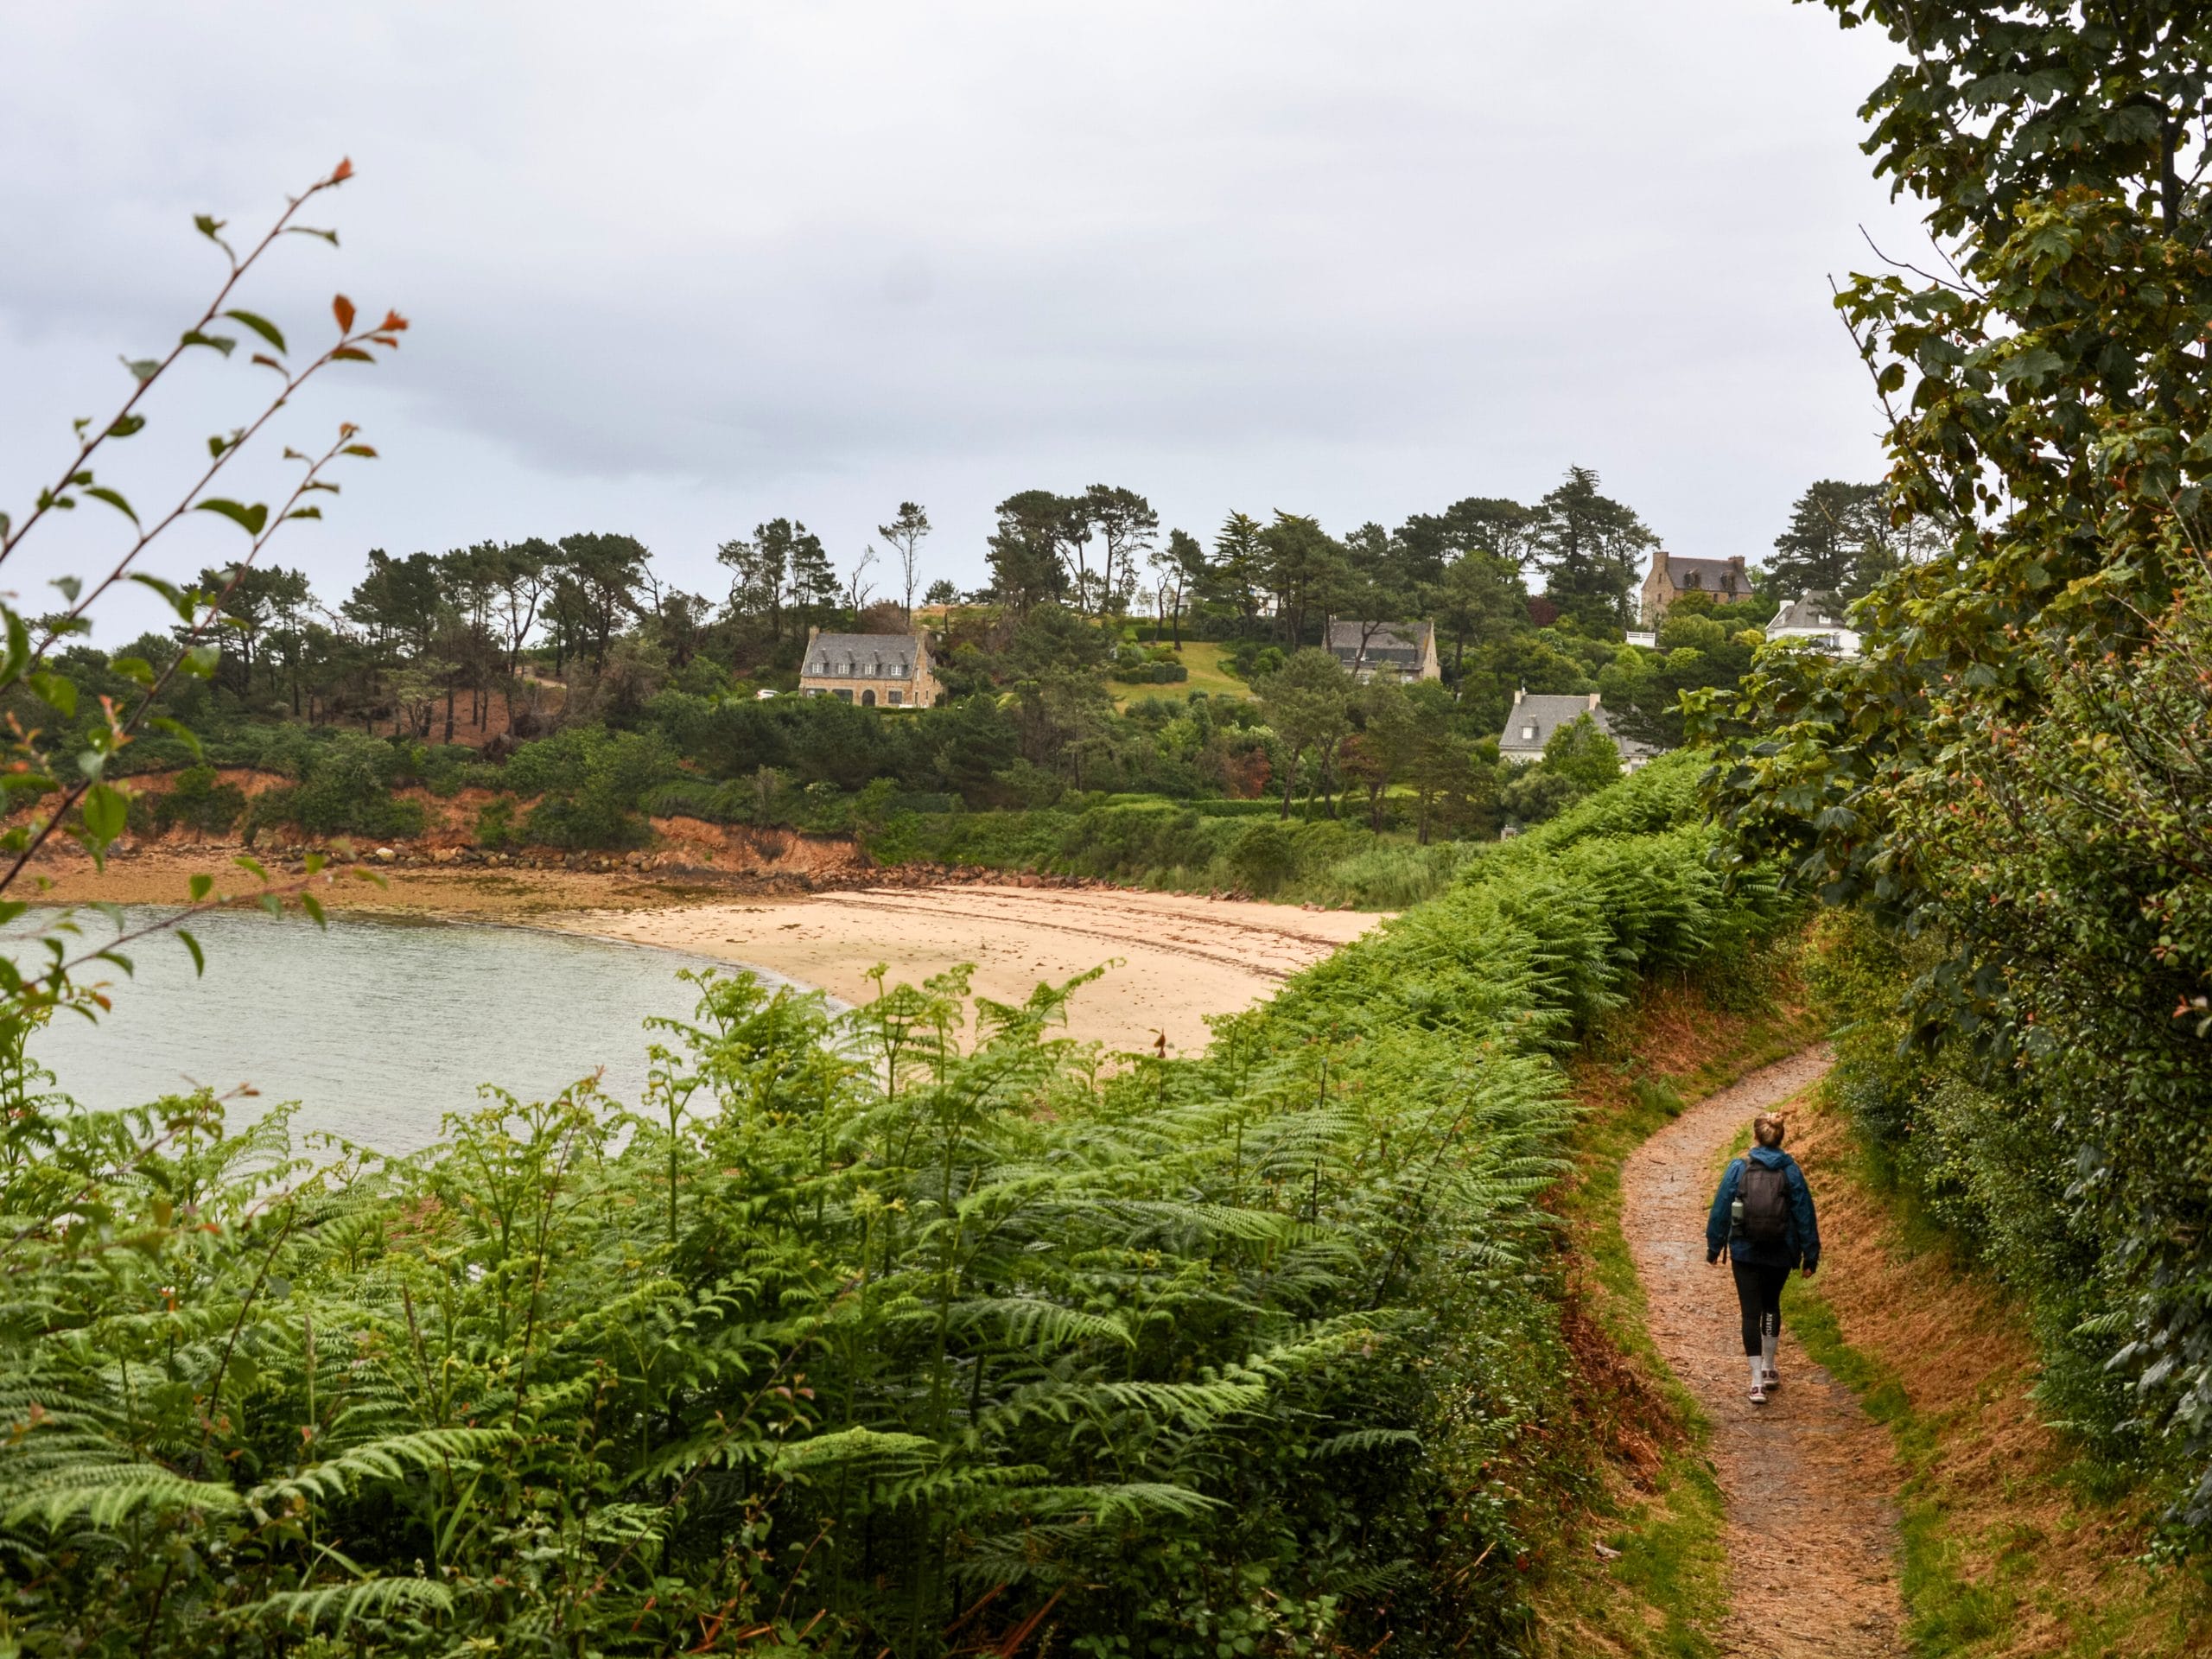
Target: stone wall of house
922 691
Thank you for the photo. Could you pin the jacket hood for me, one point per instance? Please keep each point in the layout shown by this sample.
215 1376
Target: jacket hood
1770 1157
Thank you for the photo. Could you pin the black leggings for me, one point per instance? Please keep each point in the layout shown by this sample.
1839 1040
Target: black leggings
1760 1291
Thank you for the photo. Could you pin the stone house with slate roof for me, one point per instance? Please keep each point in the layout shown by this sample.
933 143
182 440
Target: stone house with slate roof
1672 576
1405 649
877 670
1532 719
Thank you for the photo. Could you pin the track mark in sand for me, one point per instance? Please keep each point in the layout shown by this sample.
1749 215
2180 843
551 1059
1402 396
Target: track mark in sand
1301 950
1810 1478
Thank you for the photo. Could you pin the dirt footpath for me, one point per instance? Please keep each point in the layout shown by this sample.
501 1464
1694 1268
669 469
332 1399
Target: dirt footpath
1808 1478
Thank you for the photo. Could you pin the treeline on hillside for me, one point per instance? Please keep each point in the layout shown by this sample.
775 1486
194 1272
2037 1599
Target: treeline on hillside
1033 728
2012 792
586 788
852 1336
513 637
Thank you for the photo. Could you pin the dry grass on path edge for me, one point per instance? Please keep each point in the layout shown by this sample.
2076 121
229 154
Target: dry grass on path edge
2008 1552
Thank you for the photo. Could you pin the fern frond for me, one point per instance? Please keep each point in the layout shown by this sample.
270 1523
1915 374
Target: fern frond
339 1605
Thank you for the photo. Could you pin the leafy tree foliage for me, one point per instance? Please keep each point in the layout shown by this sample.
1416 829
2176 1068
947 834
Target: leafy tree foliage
2004 781
1591 547
905 534
1307 702
1838 542
1700 645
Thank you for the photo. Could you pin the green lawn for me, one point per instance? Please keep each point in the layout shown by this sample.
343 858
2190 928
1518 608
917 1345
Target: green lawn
1207 675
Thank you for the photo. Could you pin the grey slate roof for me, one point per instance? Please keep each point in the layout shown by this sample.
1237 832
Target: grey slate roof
1548 712
1712 574
872 655
1389 642
1809 611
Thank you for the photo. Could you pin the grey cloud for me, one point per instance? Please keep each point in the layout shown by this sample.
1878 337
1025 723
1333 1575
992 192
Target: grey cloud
682 264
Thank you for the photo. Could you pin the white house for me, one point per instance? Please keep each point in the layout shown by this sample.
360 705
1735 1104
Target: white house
1817 619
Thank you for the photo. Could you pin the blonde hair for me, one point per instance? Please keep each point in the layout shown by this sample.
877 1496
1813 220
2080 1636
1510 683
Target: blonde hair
1767 1128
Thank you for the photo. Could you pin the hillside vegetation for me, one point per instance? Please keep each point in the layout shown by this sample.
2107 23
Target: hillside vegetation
853 1339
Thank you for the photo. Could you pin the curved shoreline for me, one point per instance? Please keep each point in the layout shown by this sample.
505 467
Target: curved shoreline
1171 959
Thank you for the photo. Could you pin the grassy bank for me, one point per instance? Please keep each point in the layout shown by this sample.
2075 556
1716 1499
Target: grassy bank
1228 846
1202 660
2016 1541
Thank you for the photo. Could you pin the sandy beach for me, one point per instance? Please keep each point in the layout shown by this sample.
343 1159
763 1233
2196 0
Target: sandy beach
1174 958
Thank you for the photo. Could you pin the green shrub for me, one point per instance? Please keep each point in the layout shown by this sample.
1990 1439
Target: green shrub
344 789
1263 856
200 800
495 824
1152 673
585 820
196 797
687 798
590 784
1135 840
1392 877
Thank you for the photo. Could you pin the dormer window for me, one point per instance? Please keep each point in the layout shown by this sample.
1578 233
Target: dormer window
1528 733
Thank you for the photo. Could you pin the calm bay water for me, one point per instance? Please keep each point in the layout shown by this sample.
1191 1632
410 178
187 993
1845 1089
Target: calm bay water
378 1027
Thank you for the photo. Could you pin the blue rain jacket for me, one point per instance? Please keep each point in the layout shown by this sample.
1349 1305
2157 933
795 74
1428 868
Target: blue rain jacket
1800 1233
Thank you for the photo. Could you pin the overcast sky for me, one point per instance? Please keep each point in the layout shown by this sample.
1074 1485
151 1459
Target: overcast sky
676 269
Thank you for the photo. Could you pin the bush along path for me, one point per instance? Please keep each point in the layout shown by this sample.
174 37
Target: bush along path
1808 1478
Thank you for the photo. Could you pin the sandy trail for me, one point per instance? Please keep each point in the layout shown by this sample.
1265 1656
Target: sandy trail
1179 958
1809 1478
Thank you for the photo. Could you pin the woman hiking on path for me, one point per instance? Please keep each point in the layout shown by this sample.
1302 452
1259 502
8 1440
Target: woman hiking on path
1762 1217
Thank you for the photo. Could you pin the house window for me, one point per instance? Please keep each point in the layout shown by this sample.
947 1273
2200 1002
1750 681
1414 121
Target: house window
822 667
891 697
1692 580
844 694
1528 733
902 671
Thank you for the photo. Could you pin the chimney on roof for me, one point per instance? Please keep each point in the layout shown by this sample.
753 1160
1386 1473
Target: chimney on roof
1519 695
1594 698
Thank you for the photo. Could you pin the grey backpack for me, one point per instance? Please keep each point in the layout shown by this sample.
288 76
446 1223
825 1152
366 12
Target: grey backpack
1765 1193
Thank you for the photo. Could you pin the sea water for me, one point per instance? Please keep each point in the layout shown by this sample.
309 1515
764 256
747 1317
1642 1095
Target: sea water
378 1027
